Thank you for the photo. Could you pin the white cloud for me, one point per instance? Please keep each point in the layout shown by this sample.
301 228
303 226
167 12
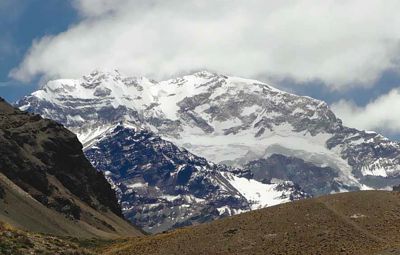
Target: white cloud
381 114
342 43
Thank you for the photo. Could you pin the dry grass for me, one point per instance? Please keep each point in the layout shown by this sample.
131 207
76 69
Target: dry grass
365 223
350 223
22 211
16 242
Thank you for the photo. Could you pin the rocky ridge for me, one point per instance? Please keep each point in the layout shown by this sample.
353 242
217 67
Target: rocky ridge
162 186
270 134
44 174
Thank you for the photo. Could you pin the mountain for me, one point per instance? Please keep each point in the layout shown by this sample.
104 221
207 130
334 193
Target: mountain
268 135
311 178
162 186
365 222
47 184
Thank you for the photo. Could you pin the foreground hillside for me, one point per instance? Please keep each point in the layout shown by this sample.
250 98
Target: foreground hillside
17 242
366 222
47 185
21 210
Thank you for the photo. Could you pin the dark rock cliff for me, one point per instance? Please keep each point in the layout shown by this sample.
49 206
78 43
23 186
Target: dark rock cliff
46 160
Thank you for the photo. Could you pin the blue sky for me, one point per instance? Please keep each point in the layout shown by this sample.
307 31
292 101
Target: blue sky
21 22
344 54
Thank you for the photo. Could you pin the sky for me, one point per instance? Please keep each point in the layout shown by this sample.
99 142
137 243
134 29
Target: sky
343 52
22 22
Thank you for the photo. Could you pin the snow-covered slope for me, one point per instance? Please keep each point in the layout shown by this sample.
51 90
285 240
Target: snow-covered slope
223 119
161 186
145 135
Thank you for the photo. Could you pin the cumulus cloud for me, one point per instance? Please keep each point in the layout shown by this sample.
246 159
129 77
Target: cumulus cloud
341 43
382 114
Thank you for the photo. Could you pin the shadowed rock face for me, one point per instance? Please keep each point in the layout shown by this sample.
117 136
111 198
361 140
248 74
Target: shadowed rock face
162 186
221 119
46 160
224 119
313 179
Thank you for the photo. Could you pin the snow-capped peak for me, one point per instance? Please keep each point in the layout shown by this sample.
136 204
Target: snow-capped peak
222 118
156 141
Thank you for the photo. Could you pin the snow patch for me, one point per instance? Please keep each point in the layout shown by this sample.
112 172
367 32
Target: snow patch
258 194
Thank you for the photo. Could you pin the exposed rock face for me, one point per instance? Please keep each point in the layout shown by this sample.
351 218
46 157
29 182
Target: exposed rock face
42 157
225 120
161 186
311 178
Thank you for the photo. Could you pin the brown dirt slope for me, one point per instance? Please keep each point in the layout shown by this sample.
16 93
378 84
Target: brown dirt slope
20 210
366 222
47 185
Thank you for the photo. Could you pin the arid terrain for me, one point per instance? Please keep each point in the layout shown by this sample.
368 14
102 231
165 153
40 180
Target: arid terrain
366 222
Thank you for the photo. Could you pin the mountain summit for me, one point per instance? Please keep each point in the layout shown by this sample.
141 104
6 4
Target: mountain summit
261 133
